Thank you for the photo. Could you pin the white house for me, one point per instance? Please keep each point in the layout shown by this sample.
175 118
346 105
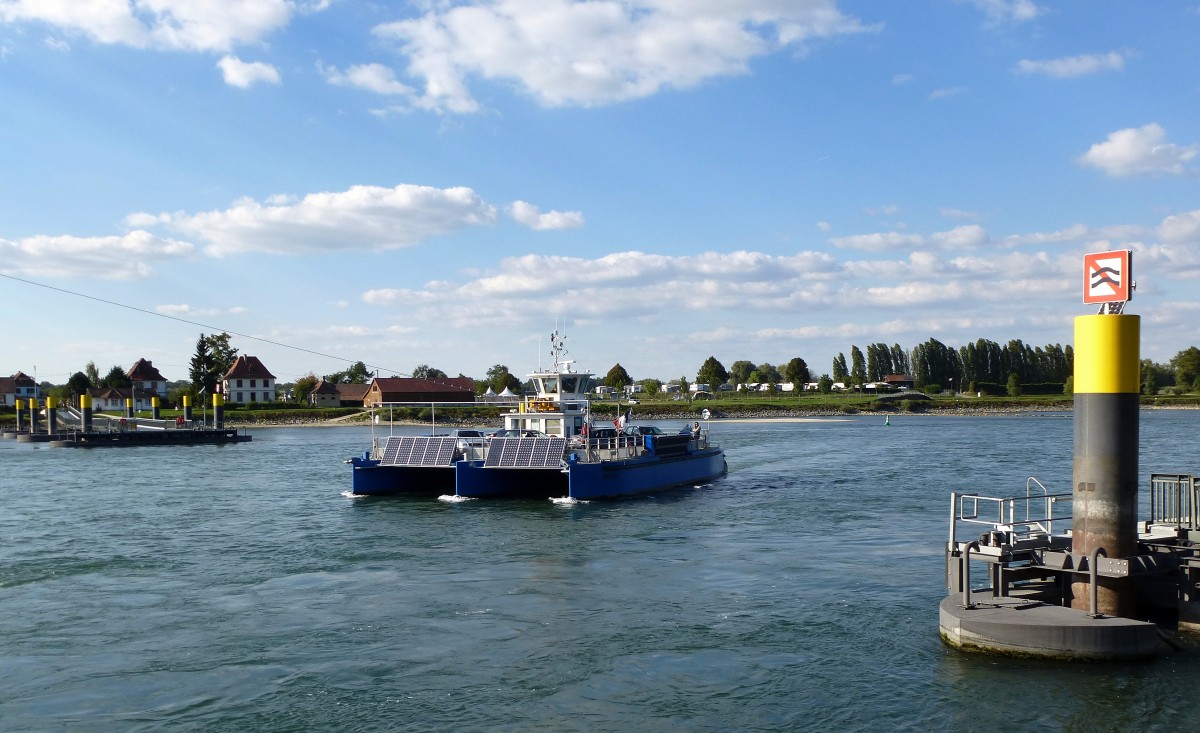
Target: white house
248 381
19 386
147 380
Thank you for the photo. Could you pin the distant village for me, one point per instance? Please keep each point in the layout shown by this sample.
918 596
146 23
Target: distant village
248 381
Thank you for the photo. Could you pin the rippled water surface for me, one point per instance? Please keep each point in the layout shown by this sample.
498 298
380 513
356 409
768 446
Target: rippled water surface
238 588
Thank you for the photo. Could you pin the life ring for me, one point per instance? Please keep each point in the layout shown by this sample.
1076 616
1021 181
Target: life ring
179 421
124 422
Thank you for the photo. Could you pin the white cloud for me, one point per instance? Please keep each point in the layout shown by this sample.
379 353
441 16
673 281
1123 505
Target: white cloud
1003 12
529 215
1181 228
952 213
970 236
946 92
1139 151
124 257
360 218
1074 233
1072 66
243 74
190 25
180 310
568 53
627 284
879 242
375 78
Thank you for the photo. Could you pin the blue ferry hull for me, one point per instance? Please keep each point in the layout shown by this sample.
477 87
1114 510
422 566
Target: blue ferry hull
610 479
601 480
372 479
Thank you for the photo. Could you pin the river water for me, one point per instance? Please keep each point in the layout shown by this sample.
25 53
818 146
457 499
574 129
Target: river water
239 588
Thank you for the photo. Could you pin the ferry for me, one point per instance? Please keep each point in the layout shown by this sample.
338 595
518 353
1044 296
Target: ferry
549 447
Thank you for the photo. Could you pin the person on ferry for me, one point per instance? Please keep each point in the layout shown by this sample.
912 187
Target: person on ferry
696 431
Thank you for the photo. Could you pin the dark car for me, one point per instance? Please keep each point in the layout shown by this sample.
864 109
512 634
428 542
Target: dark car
508 433
644 430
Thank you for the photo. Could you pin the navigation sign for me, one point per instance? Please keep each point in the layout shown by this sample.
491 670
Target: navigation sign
1108 276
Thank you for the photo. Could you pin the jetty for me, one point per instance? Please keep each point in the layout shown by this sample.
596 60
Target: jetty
1077 575
70 427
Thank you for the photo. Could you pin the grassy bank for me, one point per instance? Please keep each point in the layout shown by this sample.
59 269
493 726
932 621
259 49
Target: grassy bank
724 407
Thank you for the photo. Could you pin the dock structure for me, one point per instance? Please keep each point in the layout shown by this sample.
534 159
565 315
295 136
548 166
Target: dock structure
1035 581
1076 575
68 427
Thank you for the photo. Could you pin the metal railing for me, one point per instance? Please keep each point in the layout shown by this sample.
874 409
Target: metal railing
1174 500
1018 516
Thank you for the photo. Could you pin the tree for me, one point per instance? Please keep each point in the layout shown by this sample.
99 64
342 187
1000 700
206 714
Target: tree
1186 366
617 377
424 371
92 374
796 372
500 379
825 384
840 372
1014 385
213 358
900 360
78 383
356 373
1154 376
304 387
739 372
712 373
858 366
652 386
115 378
768 373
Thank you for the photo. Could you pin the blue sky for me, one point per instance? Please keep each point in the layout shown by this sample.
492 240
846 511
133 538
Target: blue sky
444 183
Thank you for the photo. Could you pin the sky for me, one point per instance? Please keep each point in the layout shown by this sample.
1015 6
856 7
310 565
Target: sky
446 183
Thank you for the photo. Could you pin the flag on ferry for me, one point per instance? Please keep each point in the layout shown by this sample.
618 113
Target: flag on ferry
620 421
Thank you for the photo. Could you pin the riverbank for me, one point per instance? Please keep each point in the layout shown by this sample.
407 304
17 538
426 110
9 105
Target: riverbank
660 412
717 415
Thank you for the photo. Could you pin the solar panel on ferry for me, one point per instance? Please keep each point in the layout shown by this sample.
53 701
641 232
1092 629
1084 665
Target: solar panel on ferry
410 450
525 452
390 449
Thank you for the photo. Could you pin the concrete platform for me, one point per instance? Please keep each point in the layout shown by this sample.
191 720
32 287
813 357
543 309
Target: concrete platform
1021 627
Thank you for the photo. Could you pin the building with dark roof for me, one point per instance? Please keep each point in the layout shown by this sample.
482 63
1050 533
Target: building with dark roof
147 379
409 389
248 381
19 386
325 394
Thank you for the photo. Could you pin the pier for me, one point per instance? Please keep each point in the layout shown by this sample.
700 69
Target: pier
1077 575
70 427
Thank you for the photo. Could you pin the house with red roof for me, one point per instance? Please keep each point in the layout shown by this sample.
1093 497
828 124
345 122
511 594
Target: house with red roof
19 386
147 380
409 389
248 381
